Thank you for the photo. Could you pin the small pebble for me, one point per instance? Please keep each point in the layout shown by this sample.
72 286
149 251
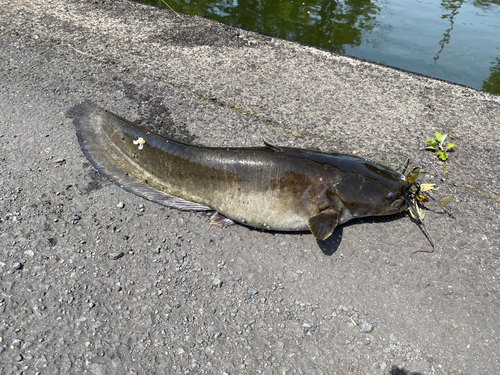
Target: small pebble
16 343
118 255
217 283
120 205
19 358
366 327
17 266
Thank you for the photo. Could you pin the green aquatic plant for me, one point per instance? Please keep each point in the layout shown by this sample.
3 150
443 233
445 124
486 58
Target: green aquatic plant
437 144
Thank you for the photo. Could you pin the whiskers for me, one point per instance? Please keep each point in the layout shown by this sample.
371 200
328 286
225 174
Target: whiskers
412 194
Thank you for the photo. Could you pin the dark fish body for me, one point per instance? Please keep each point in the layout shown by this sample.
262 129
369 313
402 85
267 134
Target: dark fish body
269 187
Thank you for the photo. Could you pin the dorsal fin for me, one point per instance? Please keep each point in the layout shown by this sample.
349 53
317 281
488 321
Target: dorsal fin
274 148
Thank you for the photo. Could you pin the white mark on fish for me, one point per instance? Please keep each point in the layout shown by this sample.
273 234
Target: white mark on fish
140 142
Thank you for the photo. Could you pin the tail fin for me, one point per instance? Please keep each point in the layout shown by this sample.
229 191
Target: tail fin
108 160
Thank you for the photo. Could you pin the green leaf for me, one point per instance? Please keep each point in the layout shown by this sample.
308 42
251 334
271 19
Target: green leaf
451 145
442 155
430 147
443 138
438 136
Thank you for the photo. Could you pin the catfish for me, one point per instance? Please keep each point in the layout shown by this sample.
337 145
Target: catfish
268 187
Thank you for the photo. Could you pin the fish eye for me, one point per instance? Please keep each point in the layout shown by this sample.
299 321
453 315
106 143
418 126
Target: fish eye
390 196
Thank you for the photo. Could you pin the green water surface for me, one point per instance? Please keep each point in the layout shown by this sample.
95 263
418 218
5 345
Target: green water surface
454 40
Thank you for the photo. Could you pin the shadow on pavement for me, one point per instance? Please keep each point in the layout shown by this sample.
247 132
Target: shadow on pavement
332 243
397 371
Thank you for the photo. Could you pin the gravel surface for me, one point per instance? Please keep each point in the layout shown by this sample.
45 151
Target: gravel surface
94 280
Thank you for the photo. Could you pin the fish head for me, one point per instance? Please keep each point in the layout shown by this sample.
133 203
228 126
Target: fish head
375 191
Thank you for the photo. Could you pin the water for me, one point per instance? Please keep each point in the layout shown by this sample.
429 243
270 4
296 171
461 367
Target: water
454 40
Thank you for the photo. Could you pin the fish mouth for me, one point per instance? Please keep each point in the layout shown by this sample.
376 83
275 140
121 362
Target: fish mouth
399 204
410 192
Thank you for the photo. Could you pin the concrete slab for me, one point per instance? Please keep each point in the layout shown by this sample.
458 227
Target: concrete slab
89 287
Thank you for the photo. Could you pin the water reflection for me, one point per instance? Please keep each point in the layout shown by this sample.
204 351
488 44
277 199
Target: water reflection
327 24
415 35
492 84
485 3
452 6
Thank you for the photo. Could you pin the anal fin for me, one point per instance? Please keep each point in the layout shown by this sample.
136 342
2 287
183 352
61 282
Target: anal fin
137 187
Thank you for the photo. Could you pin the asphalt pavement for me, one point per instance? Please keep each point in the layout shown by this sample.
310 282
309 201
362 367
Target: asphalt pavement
94 280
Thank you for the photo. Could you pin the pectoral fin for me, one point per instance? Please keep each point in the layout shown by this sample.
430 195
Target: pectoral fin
323 224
